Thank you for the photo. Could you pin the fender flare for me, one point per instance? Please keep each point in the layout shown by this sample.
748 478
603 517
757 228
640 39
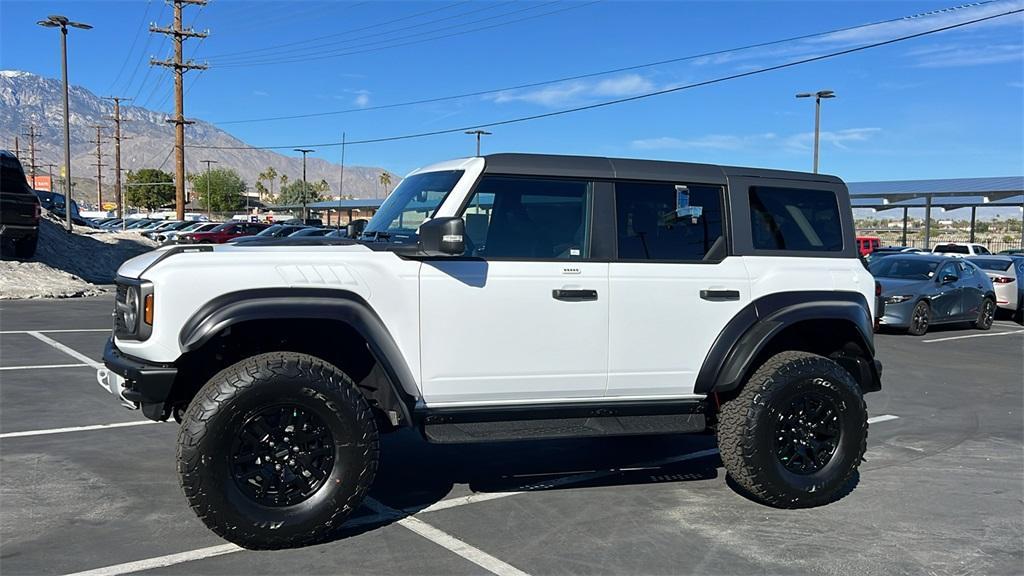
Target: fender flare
305 303
753 328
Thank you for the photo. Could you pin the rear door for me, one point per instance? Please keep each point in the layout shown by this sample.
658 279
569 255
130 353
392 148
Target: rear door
973 286
672 286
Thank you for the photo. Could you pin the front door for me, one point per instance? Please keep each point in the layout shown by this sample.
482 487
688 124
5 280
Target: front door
947 302
673 288
525 316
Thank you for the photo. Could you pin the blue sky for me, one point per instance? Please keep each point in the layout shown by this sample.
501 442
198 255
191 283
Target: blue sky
947 105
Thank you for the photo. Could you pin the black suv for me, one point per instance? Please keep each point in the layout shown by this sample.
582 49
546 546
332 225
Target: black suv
19 208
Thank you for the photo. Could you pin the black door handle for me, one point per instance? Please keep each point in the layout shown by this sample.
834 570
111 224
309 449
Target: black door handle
720 295
574 295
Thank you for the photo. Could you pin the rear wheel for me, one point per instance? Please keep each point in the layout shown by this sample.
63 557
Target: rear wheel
986 315
920 319
796 433
277 451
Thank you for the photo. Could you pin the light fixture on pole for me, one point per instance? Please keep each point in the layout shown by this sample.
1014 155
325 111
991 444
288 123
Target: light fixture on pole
209 214
304 152
62 22
478 134
818 96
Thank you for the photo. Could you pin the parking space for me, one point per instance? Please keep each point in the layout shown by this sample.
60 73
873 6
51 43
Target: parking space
940 491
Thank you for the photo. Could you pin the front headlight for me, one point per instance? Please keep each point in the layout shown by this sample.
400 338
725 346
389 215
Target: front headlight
130 312
898 299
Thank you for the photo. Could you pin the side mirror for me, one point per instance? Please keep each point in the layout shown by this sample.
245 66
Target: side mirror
355 228
949 279
443 237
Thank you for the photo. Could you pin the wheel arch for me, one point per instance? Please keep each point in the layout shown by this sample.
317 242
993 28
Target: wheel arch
336 325
837 325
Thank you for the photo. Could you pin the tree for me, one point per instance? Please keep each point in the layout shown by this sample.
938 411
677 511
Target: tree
157 189
270 175
385 181
291 194
226 190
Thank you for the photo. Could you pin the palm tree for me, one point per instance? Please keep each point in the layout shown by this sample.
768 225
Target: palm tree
270 175
385 181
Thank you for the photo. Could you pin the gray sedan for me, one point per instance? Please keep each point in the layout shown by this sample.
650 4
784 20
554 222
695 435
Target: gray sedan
921 290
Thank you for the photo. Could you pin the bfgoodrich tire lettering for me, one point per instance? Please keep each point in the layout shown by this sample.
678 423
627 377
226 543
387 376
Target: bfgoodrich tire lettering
218 414
748 431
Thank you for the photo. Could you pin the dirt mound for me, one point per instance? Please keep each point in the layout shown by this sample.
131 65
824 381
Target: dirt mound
67 265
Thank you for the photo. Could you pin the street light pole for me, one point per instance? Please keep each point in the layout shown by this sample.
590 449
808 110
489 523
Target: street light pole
817 117
209 215
478 134
304 152
55 21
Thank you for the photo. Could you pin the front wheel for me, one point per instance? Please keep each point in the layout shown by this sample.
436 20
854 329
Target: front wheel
796 433
277 451
920 319
986 315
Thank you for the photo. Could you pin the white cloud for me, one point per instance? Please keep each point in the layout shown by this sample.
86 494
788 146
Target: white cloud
260 93
574 91
1015 84
362 98
952 55
798 142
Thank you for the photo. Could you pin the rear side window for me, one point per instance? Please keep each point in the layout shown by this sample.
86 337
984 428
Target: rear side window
650 227
795 219
981 249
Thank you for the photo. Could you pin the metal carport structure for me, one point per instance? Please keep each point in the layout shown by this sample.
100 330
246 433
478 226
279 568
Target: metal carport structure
949 194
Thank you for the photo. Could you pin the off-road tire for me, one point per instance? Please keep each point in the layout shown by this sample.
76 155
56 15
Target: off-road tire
746 433
217 414
919 329
986 314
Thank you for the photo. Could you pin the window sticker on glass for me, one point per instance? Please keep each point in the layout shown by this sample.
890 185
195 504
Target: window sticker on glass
683 208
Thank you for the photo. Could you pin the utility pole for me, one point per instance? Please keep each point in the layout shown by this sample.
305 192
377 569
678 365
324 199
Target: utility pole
117 151
208 212
180 67
99 166
32 152
304 152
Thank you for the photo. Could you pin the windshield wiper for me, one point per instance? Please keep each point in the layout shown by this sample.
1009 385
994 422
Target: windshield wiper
375 236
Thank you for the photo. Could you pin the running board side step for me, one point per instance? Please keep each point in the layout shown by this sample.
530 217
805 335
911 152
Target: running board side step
549 421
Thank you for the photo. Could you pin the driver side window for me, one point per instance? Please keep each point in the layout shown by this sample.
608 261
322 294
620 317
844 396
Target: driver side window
528 219
948 270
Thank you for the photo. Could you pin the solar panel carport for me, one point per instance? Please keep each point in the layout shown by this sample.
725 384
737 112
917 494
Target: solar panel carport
949 194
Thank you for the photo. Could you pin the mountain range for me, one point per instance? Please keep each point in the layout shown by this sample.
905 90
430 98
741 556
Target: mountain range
28 100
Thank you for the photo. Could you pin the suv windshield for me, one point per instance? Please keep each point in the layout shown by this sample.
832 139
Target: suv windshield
415 200
912 268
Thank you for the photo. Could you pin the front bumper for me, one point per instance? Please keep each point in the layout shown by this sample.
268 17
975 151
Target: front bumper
136 383
898 315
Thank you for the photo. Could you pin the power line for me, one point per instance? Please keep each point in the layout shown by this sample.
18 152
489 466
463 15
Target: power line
409 43
343 32
646 95
135 40
599 73
131 80
314 48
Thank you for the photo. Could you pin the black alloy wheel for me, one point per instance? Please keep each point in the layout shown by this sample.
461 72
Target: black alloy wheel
920 318
282 455
807 433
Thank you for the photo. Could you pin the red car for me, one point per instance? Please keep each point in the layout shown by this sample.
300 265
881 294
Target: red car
867 244
225 232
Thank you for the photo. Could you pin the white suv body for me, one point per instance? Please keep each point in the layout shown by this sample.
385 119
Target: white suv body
960 249
580 289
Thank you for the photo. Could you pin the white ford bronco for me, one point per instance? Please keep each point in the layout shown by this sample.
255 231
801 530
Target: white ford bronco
509 297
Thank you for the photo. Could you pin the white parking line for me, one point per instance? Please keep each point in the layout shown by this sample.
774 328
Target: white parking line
453 544
42 366
882 418
161 561
974 336
75 429
55 331
65 349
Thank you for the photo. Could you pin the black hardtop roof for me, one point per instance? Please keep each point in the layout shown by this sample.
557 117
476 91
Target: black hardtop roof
632 169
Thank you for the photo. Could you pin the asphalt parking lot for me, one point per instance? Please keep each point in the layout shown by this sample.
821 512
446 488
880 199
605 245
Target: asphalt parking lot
86 487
